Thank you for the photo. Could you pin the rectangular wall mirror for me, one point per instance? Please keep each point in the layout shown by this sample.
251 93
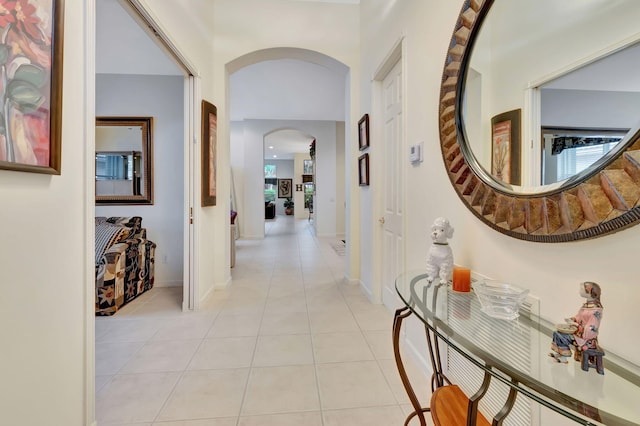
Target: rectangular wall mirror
124 160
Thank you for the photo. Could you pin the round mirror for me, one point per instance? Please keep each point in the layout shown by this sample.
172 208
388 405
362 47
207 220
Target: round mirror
540 114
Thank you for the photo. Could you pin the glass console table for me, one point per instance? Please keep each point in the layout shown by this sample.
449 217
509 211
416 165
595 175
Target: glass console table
455 320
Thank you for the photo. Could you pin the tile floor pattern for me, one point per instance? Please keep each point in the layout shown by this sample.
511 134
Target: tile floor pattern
289 343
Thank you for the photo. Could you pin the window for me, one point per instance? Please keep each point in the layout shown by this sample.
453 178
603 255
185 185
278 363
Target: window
575 160
270 171
308 195
308 167
270 182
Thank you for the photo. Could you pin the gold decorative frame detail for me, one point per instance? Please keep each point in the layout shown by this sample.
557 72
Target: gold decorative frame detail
606 200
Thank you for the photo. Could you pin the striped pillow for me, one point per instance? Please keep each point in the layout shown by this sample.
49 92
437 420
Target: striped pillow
108 235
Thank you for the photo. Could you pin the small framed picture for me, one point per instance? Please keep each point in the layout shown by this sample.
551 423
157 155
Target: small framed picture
209 153
363 170
505 147
285 188
363 132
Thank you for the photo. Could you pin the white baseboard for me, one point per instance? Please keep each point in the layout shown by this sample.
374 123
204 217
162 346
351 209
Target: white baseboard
204 298
325 235
224 285
167 284
351 281
418 357
367 292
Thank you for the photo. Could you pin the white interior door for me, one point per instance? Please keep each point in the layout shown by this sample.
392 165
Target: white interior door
392 219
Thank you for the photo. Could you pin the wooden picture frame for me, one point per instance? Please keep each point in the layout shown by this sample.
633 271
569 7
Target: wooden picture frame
363 170
363 132
505 147
285 188
31 132
209 153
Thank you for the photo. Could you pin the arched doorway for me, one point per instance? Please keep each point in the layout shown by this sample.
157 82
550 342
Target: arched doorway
288 88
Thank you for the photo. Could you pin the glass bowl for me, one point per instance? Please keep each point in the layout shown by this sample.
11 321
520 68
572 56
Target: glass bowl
499 299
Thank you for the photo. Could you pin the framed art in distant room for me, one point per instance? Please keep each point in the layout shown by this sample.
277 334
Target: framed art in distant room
505 147
363 170
285 188
363 132
209 147
31 51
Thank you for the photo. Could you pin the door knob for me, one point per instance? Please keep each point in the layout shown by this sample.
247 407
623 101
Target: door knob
381 220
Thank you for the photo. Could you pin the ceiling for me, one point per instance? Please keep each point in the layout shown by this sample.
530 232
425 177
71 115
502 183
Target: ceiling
285 89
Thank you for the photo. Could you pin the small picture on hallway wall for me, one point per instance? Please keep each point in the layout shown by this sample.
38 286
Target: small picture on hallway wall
285 189
363 132
363 170
31 95
209 147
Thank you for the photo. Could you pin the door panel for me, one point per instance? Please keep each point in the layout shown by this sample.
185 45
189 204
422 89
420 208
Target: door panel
392 221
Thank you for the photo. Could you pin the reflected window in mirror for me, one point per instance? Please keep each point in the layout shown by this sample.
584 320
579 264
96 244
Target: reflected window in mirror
567 152
124 162
118 173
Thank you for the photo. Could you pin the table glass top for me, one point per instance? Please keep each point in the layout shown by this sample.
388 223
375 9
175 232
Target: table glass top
520 348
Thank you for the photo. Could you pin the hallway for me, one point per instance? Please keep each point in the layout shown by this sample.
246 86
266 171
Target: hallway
289 343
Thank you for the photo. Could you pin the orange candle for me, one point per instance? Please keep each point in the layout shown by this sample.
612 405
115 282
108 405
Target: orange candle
461 279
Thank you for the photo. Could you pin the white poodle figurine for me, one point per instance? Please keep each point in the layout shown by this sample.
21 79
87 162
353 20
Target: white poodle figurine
440 256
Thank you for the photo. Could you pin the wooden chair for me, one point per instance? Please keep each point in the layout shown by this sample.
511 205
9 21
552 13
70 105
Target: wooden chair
450 407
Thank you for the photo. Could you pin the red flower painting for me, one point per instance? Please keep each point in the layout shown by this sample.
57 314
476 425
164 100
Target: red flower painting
25 81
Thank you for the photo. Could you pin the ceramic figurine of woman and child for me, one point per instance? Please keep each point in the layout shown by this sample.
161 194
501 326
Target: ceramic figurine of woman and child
580 331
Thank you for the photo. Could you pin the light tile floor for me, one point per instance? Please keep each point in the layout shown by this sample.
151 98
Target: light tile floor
289 343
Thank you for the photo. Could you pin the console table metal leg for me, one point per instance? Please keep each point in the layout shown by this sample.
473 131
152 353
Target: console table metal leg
419 411
438 378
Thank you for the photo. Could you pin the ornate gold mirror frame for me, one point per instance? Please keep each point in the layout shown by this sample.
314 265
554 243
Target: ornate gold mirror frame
601 202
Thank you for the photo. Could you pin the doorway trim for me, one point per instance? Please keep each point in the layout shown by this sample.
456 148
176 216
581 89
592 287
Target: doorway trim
394 56
191 123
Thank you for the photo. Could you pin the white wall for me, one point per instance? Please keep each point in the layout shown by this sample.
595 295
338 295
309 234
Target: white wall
179 20
252 192
341 201
160 97
551 271
46 267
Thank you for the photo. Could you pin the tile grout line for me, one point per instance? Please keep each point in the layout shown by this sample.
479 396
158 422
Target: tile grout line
255 348
313 354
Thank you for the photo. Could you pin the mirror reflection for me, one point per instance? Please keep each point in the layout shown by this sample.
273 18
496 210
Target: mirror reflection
573 82
118 173
123 160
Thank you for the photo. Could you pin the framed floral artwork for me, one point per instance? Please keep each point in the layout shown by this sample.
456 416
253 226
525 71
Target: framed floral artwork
31 48
209 154
505 147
